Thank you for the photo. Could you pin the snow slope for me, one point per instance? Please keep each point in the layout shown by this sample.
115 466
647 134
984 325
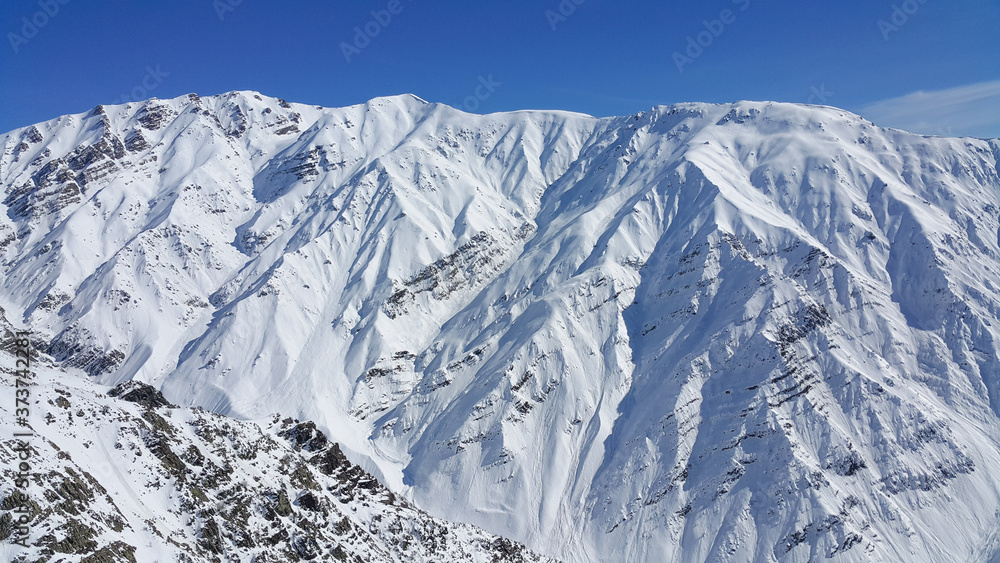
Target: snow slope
133 478
749 331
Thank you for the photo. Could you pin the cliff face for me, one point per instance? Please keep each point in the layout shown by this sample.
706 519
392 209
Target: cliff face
751 331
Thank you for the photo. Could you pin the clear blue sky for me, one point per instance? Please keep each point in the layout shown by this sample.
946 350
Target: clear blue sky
602 57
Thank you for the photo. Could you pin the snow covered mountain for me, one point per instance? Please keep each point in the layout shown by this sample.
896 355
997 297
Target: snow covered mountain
750 331
132 478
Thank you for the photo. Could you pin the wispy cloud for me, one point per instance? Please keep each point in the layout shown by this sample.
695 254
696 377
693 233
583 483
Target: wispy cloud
972 110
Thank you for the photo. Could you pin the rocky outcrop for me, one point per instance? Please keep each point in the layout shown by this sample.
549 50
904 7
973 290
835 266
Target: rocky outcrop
127 476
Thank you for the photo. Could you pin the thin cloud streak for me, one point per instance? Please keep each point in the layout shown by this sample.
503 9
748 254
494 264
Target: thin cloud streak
972 110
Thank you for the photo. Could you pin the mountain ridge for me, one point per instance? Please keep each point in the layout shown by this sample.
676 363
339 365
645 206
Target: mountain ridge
561 317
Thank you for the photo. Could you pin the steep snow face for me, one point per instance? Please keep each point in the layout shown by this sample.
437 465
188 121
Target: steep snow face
736 332
134 478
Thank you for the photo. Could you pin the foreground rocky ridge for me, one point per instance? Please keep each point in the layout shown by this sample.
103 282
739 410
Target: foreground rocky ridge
134 478
736 332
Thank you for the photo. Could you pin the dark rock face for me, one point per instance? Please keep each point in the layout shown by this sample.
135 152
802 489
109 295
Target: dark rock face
141 393
27 202
305 436
472 263
330 460
32 135
61 182
309 501
153 115
135 142
71 347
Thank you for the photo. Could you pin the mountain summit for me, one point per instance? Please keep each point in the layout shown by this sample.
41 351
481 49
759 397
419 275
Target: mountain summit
706 332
